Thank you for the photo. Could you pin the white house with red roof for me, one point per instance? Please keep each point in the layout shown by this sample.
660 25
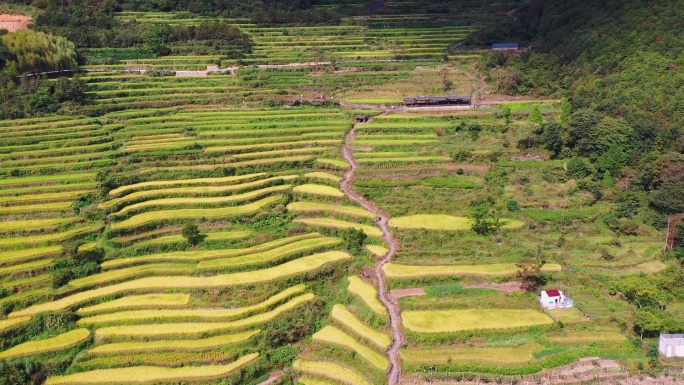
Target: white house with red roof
553 298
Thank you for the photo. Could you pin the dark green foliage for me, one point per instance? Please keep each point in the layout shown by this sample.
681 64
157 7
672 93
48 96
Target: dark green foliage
294 325
535 115
629 202
577 168
21 371
483 222
512 206
595 188
669 198
74 264
44 324
646 323
353 240
36 52
192 235
553 140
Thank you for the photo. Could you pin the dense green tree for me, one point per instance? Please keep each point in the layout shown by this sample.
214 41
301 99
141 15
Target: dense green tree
647 323
629 202
577 168
610 133
506 113
36 51
552 138
192 234
482 221
535 115
614 159
566 107
353 240
668 198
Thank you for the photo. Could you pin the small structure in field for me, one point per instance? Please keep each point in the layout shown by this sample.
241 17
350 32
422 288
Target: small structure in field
671 345
423 100
361 118
499 47
554 299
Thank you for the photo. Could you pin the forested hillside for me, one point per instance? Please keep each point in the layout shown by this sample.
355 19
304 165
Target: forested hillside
621 64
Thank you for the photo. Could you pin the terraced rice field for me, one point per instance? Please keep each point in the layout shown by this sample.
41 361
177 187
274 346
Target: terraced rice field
93 211
397 271
444 222
449 321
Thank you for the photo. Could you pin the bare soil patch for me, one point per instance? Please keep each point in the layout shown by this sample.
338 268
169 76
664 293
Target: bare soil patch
14 23
401 293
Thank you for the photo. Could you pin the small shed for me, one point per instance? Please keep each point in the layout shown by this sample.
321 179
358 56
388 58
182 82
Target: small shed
361 118
671 345
553 299
497 47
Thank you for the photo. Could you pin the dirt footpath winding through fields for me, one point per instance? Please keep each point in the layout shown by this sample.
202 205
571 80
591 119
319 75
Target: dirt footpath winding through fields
392 306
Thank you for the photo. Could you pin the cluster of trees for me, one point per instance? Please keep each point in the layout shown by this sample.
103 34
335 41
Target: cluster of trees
226 38
28 51
33 51
75 264
619 64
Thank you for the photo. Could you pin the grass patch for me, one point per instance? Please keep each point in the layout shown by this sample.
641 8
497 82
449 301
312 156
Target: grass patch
175 345
317 189
396 270
338 224
368 294
444 222
59 342
568 315
587 337
334 336
151 374
307 207
346 318
449 321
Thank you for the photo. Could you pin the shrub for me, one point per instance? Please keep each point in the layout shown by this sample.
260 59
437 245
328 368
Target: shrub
577 168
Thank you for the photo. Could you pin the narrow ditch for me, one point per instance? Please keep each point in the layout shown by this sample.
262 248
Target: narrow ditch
392 306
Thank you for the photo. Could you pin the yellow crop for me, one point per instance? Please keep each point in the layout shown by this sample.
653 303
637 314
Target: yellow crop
59 342
151 374
342 315
334 336
368 294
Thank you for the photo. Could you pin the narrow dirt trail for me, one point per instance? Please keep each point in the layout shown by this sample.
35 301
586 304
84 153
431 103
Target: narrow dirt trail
392 306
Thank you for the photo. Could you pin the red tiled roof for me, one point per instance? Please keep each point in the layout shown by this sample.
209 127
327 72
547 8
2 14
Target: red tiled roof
553 293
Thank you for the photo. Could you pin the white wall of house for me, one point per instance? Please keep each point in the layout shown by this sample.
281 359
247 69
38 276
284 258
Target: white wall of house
671 345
